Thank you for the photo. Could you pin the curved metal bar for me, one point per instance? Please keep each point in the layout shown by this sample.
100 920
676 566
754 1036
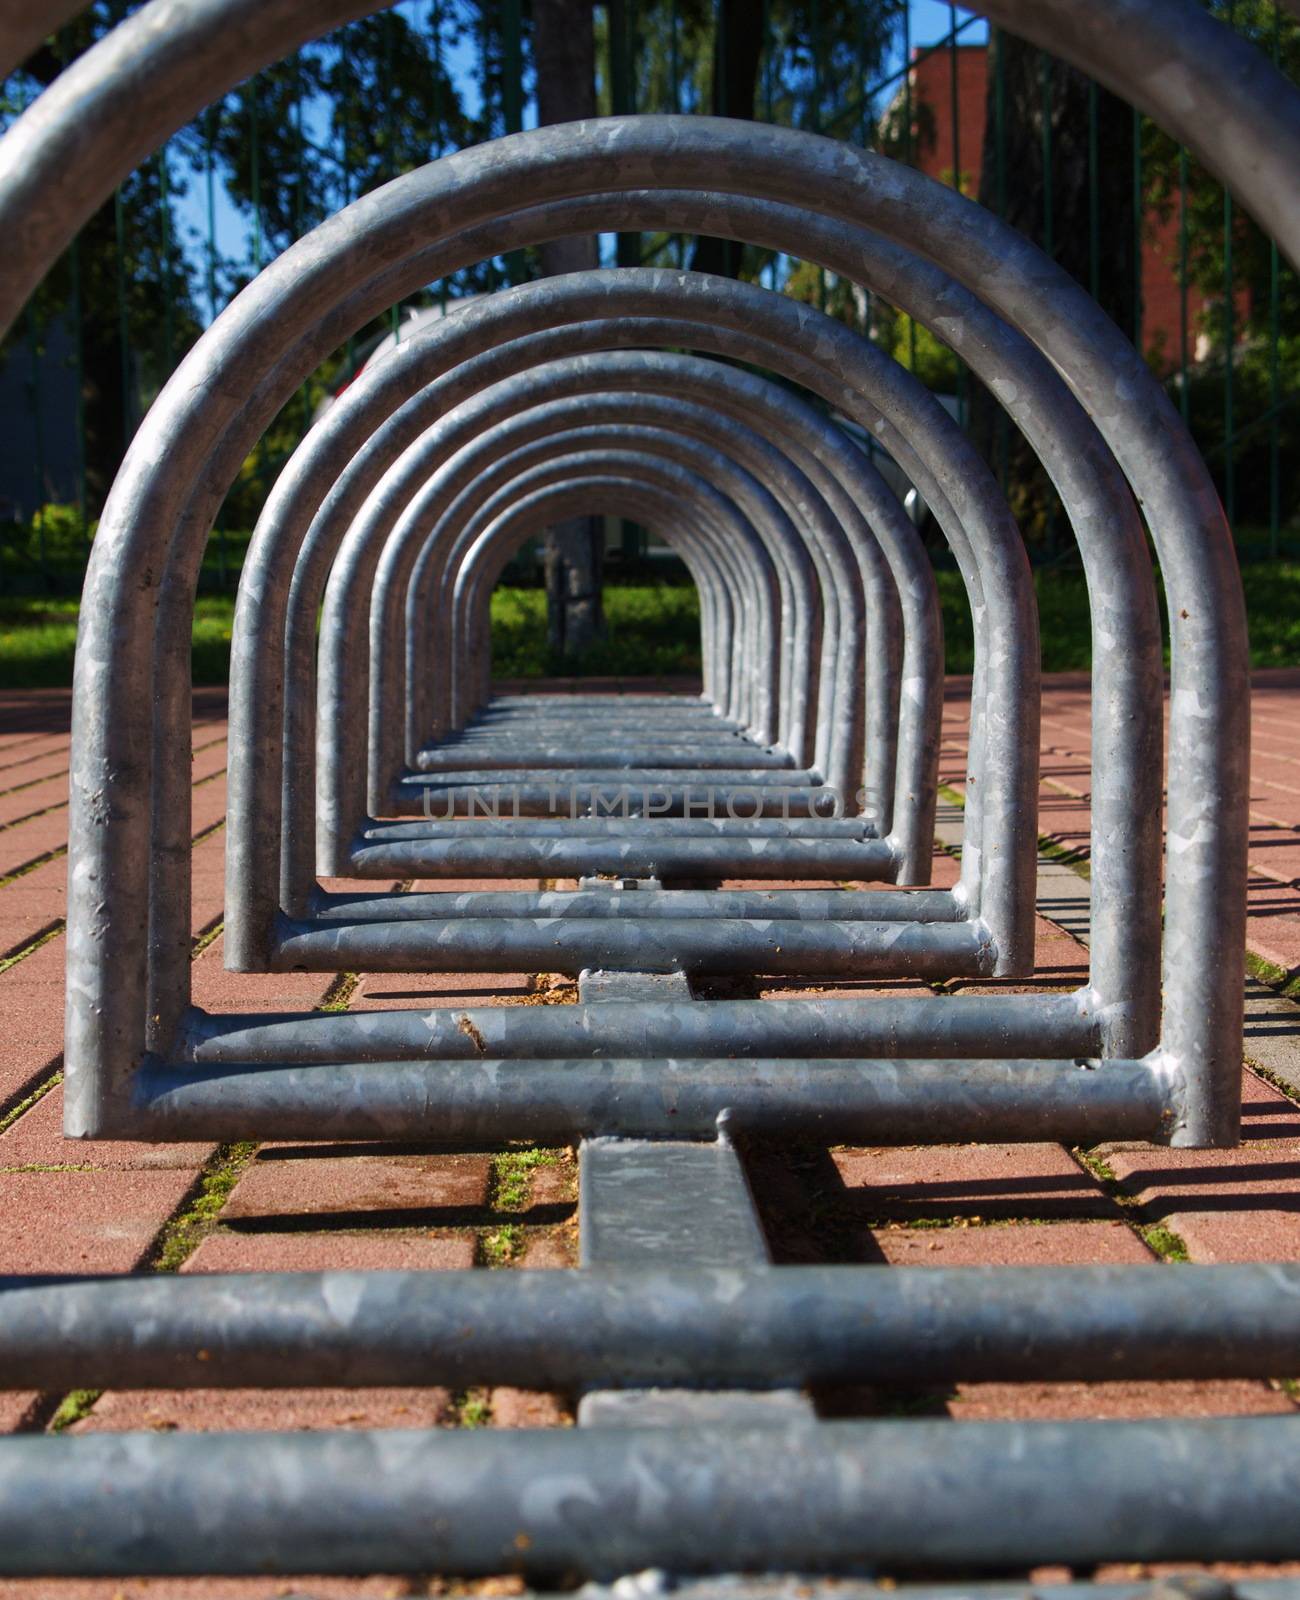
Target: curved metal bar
462 432
822 703
1203 1001
797 495
345 669
1127 654
736 513
342 505
119 102
444 502
735 572
731 537
159 67
757 310
656 384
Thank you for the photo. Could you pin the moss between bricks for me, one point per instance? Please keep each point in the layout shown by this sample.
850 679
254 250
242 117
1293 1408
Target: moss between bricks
1278 978
510 1183
187 1230
1160 1240
1288 1091
12 1115
75 1405
32 945
470 1408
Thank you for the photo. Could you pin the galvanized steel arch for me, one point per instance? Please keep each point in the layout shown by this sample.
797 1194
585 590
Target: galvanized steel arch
1207 741
432 502
309 470
791 434
161 66
621 293
750 503
443 499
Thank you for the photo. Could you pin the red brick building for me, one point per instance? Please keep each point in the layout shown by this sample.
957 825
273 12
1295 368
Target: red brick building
940 156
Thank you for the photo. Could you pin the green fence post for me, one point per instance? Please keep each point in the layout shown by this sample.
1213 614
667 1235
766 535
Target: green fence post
1184 343
79 378
622 99
1274 337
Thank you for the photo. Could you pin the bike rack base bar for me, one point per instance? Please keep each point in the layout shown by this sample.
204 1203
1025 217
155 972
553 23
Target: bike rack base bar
462 1102
850 1497
970 1026
606 900
653 856
643 944
651 1322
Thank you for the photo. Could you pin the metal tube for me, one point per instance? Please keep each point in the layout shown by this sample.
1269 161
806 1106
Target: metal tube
308 612
1206 86
341 805
1015 279
878 1101
724 1328
967 1026
799 600
645 458
608 1501
639 944
789 479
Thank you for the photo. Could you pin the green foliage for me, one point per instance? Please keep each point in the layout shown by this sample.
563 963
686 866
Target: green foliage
186 1231
512 1176
48 554
916 348
1165 1243
503 1246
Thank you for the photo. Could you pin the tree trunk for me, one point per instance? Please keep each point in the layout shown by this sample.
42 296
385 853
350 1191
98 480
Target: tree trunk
574 551
1012 184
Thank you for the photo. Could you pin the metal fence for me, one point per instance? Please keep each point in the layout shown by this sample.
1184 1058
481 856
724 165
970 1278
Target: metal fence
1211 300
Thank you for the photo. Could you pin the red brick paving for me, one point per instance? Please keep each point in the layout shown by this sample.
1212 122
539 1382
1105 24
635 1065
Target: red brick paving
388 1250
279 1186
368 1208
103 1220
973 1182
1027 1244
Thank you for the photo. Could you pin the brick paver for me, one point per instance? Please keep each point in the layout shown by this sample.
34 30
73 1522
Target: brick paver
297 1208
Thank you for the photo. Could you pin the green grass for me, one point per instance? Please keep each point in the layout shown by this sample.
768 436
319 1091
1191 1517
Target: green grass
653 630
38 637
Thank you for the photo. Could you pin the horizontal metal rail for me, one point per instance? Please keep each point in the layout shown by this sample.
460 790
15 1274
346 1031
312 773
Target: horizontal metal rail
465 1102
978 1027
628 1327
634 793
725 753
650 856
555 1503
695 826
760 905
638 944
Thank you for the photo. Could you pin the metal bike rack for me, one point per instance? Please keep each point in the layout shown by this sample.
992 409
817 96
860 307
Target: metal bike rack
1177 501
697 1452
755 309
